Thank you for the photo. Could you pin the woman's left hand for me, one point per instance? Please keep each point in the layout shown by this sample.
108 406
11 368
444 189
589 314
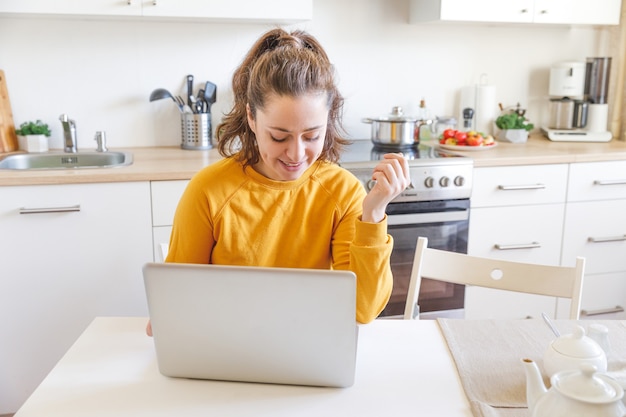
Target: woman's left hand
392 177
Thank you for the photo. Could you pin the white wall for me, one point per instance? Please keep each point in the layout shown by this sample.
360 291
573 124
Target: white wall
101 72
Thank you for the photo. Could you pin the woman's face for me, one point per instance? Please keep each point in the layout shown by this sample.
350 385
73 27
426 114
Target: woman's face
290 134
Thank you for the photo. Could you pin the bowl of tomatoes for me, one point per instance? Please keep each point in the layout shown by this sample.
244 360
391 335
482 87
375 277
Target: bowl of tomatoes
462 139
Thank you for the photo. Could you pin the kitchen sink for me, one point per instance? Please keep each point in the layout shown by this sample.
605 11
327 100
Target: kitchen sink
52 160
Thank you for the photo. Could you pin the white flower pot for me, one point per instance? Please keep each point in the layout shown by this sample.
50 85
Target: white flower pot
33 143
512 135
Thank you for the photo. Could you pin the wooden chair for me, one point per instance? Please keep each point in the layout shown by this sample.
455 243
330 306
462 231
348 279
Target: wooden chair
458 268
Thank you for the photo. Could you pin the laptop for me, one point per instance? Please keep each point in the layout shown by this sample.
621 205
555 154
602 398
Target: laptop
253 324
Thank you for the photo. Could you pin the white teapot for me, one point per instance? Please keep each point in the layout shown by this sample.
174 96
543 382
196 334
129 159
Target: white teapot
577 393
569 351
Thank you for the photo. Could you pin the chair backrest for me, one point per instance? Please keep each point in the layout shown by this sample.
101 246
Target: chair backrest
458 268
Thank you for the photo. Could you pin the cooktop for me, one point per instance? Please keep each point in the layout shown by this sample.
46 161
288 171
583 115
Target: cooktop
362 153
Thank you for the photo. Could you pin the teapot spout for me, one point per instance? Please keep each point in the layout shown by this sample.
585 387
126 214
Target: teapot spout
535 388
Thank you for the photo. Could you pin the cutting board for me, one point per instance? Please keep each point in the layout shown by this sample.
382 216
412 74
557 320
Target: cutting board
8 138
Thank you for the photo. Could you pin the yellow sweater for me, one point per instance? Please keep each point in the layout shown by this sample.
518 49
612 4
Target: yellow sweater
231 216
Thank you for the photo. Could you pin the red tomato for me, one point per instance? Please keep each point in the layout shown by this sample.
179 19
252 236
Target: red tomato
460 136
449 133
475 140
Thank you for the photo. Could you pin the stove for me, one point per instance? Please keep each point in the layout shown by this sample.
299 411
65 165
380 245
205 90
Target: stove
435 174
436 205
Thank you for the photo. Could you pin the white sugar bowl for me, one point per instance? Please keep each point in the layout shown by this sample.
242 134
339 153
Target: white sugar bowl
569 351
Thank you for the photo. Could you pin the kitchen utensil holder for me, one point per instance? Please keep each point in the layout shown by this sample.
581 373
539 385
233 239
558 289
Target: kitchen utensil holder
196 131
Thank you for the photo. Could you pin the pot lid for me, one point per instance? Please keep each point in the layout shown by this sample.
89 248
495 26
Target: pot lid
587 385
396 115
577 345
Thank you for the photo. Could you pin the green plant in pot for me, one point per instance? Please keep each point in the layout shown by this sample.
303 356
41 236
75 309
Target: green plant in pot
514 126
33 136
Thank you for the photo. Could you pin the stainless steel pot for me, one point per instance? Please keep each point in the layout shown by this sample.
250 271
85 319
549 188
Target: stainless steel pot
394 130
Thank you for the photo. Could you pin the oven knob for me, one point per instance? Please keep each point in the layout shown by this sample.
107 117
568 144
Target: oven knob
444 181
429 182
459 181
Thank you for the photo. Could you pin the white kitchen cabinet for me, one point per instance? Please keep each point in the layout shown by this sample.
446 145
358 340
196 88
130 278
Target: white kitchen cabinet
595 227
516 214
570 12
272 11
165 197
69 253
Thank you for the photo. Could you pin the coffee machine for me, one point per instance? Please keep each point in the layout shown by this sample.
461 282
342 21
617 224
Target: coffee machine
578 101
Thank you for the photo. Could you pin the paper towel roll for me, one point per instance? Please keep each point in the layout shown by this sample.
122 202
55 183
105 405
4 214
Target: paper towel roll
486 109
481 98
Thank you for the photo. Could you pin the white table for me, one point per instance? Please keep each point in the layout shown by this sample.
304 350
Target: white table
404 368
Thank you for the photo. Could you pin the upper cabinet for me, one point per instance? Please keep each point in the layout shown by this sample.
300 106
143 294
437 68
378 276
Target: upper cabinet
268 11
567 12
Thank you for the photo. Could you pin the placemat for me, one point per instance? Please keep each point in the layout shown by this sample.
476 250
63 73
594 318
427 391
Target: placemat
488 355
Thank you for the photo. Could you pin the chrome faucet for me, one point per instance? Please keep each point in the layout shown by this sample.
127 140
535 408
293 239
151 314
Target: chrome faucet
69 132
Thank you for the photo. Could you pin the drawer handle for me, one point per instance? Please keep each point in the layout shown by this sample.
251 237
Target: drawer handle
39 210
609 182
521 187
607 239
616 309
518 246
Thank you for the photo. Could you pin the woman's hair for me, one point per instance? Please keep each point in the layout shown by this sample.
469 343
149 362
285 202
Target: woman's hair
283 64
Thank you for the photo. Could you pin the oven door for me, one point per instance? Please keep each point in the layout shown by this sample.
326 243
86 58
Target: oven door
445 224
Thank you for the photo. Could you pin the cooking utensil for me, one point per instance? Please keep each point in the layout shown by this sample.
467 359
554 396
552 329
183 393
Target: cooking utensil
189 90
394 130
551 325
161 93
193 104
210 93
202 104
8 138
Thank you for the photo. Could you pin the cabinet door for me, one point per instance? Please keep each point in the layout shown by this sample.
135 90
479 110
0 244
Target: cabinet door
165 197
519 185
574 12
78 254
71 7
597 231
597 181
268 10
603 293
515 11
523 234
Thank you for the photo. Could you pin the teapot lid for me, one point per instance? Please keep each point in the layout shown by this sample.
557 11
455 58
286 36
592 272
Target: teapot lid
587 385
577 345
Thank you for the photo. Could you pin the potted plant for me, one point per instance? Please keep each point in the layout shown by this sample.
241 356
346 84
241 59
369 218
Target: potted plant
514 126
33 136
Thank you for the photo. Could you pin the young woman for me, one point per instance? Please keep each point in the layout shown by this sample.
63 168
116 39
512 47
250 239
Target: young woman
278 198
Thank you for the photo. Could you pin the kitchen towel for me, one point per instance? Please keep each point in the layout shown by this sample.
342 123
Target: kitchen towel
488 355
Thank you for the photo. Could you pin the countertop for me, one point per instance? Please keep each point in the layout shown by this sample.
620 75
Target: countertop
174 163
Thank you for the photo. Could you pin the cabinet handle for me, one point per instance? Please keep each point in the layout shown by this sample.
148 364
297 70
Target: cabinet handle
521 187
130 2
39 210
154 2
517 246
607 239
616 309
524 11
609 182
543 12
